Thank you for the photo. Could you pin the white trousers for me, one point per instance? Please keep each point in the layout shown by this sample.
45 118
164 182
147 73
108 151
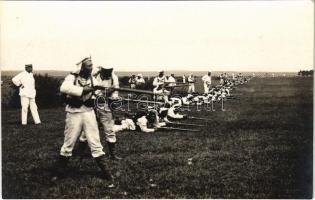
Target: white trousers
106 119
82 122
191 88
206 88
29 102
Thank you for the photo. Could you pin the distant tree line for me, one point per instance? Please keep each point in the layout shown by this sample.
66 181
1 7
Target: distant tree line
306 72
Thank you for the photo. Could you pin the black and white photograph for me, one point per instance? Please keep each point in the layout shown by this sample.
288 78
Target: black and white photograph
157 99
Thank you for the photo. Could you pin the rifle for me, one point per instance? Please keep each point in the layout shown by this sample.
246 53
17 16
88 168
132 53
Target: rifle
198 118
180 85
232 97
144 101
185 124
179 129
124 90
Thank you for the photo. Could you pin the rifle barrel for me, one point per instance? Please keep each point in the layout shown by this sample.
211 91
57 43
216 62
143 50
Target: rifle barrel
198 118
185 124
179 129
125 90
143 101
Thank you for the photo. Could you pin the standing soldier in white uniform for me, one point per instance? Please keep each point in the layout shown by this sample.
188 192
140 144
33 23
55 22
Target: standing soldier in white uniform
221 79
26 82
78 86
132 81
158 83
207 82
107 78
171 82
184 79
139 81
191 82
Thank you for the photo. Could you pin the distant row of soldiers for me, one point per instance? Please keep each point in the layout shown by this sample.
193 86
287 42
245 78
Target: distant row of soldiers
136 82
166 83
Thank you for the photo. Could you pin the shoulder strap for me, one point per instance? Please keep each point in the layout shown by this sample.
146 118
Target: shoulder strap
75 78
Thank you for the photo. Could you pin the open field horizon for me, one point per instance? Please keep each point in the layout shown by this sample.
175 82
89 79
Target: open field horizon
59 73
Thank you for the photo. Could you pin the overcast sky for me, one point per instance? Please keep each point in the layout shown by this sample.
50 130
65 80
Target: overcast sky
226 35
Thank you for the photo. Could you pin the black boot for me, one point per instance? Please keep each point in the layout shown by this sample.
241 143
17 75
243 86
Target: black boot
59 170
111 151
101 164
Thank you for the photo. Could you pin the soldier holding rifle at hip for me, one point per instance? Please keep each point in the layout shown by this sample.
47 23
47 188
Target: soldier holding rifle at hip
78 86
106 78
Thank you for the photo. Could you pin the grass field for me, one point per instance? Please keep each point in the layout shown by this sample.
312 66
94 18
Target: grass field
260 147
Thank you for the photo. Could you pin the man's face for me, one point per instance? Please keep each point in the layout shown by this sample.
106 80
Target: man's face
106 73
161 74
87 67
209 73
29 69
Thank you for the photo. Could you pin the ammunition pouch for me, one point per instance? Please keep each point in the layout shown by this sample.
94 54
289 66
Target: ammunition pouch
74 102
89 103
77 103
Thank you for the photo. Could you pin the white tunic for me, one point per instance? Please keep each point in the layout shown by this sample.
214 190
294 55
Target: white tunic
71 87
142 123
139 81
171 80
157 82
171 113
112 82
191 80
28 84
206 79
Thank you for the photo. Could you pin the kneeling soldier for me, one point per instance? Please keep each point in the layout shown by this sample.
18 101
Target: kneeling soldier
78 86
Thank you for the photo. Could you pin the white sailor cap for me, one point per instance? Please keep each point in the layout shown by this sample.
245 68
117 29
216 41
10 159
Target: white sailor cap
79 64
161 70
28 65
106 67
